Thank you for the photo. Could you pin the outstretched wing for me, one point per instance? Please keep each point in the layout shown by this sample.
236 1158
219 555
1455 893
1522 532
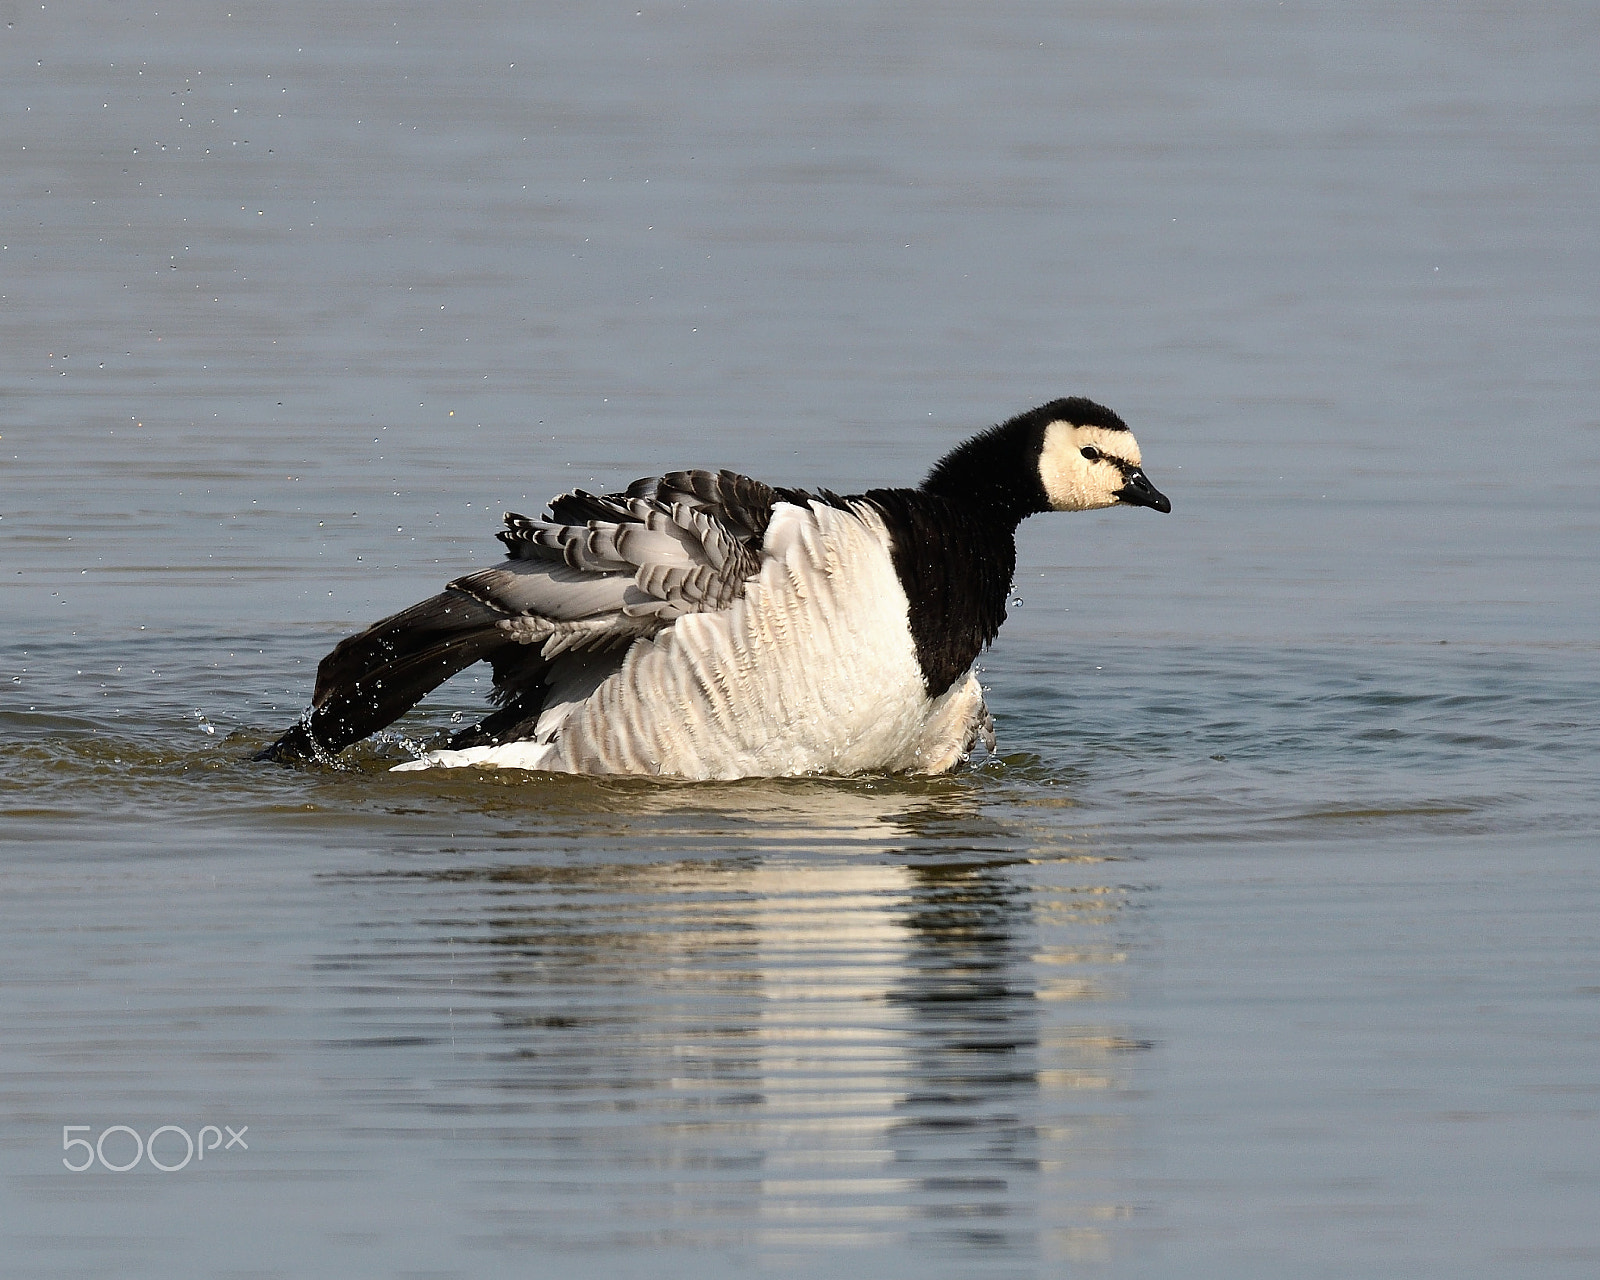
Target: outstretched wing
579 586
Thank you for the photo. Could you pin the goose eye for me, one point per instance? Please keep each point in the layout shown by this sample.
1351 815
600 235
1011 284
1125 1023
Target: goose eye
1090 452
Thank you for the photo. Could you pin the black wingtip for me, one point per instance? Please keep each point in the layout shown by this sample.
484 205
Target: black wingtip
295 747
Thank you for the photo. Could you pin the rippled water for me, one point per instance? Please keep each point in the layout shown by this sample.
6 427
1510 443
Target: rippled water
1265 946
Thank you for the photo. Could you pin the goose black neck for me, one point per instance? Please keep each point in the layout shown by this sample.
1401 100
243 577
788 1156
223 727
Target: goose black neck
955 567
995 475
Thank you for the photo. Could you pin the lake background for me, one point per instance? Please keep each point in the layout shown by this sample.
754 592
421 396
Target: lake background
1267 946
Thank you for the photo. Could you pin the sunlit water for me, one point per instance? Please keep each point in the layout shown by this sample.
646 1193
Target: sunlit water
1266 944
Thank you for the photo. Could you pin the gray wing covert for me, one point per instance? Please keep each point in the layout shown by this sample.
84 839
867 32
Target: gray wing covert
742 505
603 570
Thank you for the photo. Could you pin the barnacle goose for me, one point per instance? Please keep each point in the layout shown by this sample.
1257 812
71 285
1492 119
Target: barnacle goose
706 625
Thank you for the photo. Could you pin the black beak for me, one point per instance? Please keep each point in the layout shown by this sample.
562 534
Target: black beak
1139 492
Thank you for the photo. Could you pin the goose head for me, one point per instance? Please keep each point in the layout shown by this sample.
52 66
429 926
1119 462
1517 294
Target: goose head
1087 462
1068 455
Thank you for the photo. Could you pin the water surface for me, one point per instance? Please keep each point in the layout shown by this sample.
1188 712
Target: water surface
1264 946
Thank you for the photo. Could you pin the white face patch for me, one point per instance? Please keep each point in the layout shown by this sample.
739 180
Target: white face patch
1075 483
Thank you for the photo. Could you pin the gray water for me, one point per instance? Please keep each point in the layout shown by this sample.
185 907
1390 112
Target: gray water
1267 944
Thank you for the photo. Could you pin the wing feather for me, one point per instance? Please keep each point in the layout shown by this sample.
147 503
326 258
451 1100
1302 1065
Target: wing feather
681 543
577 590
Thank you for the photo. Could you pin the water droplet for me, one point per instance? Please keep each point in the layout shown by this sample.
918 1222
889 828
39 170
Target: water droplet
1016 602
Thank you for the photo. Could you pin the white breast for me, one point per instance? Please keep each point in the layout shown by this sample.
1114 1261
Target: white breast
812 670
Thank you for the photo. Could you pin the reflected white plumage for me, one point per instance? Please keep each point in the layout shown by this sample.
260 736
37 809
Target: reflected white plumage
705 625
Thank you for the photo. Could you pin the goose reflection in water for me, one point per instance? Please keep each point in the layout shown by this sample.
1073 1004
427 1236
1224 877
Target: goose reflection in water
852 1021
